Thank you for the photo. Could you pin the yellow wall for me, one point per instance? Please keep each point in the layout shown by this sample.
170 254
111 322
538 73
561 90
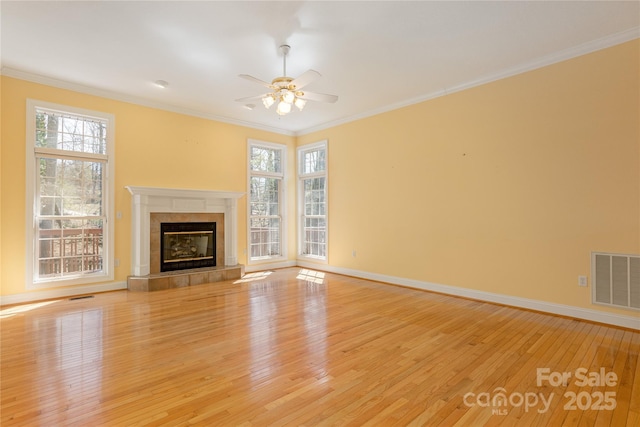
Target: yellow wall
504 188
154 148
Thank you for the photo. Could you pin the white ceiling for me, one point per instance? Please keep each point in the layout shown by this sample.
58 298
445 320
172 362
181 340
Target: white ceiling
374 55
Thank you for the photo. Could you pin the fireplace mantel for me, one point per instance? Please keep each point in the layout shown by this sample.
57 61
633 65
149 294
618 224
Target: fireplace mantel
146 200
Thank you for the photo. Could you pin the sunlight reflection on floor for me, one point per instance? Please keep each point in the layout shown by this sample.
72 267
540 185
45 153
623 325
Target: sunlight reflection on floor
12 311
311 276
252 277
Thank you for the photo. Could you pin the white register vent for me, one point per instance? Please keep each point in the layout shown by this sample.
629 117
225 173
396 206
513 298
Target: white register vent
616 280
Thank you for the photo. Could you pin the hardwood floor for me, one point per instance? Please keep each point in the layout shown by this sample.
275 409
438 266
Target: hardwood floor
297 347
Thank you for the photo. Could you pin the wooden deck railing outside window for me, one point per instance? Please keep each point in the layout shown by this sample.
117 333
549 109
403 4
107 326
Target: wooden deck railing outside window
69 251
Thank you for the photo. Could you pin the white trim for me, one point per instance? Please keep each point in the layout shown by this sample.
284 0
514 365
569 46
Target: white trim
554 58
324 144
61 293
282 175
543 306
314 259
582 49
30 189
137 100
269 266
145 200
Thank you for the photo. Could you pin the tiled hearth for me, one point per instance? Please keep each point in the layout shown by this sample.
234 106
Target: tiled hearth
152 206
182 278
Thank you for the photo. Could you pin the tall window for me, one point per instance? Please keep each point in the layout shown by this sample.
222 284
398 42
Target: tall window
266 199
69 167
312 176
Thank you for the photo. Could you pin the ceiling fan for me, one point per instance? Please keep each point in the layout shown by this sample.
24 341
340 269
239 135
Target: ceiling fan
287 91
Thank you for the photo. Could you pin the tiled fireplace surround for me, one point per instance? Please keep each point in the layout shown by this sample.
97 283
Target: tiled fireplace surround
151 206
154 237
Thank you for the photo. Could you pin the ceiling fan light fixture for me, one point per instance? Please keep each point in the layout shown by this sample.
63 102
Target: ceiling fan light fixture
300 103
287 96
284 108
286 91
268 101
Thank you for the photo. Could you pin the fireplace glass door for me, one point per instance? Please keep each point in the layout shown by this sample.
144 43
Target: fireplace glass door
186 245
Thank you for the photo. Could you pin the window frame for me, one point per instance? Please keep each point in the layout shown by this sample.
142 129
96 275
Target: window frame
33 153
301 198
282 197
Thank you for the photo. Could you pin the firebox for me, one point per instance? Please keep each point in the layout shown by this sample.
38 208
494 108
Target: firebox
185 245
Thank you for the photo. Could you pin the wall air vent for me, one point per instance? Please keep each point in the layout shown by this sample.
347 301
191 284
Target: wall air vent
616 280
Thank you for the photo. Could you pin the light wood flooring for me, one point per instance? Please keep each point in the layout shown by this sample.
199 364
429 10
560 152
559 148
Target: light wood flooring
297 347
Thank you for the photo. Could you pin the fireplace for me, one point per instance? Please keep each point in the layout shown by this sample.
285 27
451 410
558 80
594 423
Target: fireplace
185 245
151 207
150 204
178 246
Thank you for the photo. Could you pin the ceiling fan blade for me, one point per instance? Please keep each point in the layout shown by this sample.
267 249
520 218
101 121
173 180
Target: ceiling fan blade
255 80
320 97
251 98
305 78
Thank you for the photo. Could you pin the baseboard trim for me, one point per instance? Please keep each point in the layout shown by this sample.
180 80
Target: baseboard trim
48 294
60 293
526 303
269 266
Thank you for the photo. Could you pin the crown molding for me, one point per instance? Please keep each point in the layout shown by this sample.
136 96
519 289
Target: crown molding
582 49
556 57
116 96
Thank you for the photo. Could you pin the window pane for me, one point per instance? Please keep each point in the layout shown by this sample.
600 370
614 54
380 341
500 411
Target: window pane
314 237
313 202
265 196
314 196
71 133
70 246
70 187
265 237
265 159
50 239
69 194
265 199
314 161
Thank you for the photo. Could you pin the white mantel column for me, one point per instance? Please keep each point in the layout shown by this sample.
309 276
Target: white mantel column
231 249
140 235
